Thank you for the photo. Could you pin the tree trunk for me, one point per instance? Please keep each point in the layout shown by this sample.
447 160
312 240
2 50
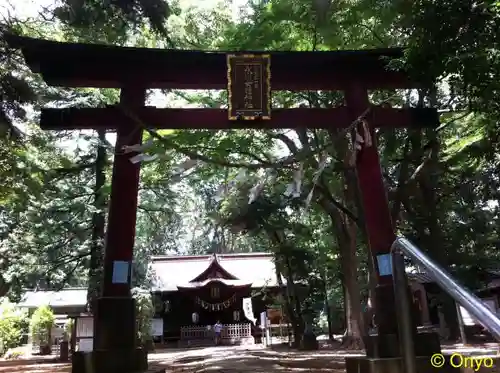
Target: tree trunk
4 287
98 224
290 295
327 306
345 231
354 320
372 283
430 184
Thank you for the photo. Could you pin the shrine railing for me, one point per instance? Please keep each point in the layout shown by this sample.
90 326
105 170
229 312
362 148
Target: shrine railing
229 331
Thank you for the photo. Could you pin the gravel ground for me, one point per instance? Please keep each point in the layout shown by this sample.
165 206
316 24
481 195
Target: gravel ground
234 359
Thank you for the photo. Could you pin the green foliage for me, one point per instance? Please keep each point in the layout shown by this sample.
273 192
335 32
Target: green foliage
443 184
457 42
144 314
13 325
41 324
114 17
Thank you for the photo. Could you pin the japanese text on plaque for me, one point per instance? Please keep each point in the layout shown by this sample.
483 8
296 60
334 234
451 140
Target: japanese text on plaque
249 87
253 76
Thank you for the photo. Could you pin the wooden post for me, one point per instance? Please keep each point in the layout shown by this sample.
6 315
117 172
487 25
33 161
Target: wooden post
115 321
381 235
376 209
420 289
122 214
378 226
73 334
461 325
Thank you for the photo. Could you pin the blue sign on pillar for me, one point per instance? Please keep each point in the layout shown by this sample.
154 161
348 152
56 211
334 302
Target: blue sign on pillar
384 263
120 272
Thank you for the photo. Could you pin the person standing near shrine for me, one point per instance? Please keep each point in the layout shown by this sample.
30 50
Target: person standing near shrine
218 330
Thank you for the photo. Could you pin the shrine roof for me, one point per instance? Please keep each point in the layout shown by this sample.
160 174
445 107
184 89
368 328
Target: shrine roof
106 66
72 297
170 272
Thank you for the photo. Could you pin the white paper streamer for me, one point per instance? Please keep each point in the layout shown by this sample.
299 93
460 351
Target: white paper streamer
219 196
308 199
241 175
270 175
294 189
321 167
359 141
226 188
186 165
290 189
323 161
366 133
297 178
138 147
143 158
255 192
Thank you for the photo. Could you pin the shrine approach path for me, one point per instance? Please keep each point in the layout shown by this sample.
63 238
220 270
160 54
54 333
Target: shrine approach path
230 359
236 359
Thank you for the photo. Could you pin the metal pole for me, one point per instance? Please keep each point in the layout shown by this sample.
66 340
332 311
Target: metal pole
460 294
460 318
403 312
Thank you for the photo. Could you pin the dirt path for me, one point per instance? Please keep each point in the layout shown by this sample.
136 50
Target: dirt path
248 359
213 359
34 367
234 359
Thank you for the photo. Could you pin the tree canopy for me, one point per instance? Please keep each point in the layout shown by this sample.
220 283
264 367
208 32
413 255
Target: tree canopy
289 192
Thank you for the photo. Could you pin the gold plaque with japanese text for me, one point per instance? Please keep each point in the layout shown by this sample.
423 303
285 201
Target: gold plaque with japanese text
249 86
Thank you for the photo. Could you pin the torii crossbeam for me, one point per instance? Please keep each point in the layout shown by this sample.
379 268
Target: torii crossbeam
134 70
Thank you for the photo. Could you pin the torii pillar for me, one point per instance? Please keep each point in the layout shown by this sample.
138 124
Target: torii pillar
382 350
115 334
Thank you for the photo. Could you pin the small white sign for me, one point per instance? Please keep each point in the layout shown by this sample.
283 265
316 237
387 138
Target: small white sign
263 319
157 327
86 344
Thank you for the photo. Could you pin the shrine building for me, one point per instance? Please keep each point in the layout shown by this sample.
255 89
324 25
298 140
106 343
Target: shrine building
191 293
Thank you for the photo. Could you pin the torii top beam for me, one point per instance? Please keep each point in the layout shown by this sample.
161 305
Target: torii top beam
104 66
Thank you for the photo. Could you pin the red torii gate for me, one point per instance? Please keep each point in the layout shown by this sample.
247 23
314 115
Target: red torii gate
134 70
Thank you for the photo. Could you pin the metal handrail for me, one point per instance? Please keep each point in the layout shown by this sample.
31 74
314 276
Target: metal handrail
461 295
403 312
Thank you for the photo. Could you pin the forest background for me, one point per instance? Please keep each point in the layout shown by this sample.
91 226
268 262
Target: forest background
443 183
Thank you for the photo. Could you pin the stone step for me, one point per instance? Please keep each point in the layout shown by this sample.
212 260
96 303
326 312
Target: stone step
195 343
211 343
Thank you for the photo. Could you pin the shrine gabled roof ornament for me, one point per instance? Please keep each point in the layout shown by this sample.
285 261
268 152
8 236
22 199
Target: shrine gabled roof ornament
214 271
173 273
